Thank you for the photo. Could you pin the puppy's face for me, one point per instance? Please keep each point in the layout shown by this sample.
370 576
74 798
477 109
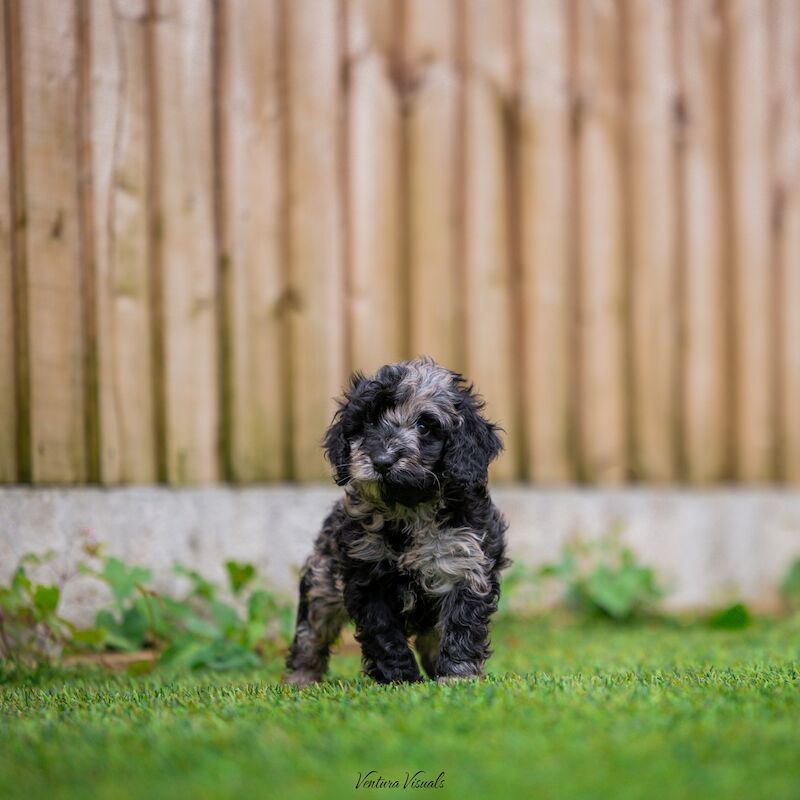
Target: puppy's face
405 433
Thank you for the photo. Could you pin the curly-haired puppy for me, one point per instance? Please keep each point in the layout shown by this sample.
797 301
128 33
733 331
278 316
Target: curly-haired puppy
415 546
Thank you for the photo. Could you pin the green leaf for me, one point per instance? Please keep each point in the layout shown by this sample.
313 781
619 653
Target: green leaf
93 637
234 657
122 579
175 610
105 619
181 654
151 609
790 588
612 593
188 653
252 634
224 615
259 606
239 575
54 627
286 618
11 600
733 618
20 580
118 636
221 655
202 628
200 586
135 625
46 598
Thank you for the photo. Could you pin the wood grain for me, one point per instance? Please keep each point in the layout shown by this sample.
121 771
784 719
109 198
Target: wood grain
705 402
315 228
254 127
547 214
751 253
376 303
652 84
121 206
487 247
186 240
50 160
8 406
786 169
432 135
602 373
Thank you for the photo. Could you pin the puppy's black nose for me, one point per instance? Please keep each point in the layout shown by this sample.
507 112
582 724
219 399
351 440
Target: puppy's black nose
383 462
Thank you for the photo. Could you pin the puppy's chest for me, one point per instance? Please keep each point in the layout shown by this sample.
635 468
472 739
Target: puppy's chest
435 557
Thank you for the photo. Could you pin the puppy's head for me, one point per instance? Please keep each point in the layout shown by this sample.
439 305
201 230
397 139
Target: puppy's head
409 432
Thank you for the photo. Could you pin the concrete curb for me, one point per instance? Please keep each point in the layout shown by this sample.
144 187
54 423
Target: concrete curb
710 546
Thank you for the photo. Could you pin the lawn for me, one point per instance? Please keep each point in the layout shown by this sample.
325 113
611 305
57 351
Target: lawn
569 710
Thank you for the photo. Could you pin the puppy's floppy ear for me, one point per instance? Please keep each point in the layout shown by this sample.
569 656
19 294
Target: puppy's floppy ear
472 445
336 442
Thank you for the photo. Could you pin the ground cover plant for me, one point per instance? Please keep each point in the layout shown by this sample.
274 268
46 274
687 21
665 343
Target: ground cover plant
208 626
237 625
571 708
602 577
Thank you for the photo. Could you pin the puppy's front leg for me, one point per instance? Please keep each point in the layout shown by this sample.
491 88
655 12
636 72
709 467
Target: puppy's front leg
464 625
385 653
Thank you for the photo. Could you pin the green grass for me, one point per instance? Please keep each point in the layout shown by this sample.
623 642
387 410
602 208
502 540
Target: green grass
568 710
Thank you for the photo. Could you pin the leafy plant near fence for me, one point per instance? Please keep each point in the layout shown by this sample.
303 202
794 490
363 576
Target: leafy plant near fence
603 578
31 629
238 624
209 626
790 587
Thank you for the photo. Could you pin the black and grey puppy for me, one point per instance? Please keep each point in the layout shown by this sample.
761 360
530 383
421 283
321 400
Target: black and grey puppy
415 546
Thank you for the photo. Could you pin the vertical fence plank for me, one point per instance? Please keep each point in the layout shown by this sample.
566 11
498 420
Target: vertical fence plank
704 402
8 410
254 123
786 48
50 103
187 248
316 245
652 226
546 234
748 125
376 286
486 231
433 182
602 381
119 145
17 240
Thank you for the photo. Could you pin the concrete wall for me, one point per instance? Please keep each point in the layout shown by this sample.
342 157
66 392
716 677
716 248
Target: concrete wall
710 546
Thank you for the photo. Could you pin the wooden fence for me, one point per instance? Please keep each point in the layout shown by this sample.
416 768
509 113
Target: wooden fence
212 211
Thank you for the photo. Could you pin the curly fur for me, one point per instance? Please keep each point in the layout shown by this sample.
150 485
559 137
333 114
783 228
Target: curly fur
415 546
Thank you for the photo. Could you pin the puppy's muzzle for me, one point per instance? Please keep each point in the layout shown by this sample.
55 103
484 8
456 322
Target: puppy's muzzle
383 462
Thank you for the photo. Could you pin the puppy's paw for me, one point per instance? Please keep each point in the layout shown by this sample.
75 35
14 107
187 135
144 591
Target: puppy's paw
458 678
395 676
449 671
300 678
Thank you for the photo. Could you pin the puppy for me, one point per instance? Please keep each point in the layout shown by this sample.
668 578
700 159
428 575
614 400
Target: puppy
415 546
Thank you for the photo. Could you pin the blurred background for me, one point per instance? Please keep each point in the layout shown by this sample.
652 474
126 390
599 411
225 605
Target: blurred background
211 212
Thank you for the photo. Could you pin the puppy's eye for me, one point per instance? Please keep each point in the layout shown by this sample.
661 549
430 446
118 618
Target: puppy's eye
422 427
